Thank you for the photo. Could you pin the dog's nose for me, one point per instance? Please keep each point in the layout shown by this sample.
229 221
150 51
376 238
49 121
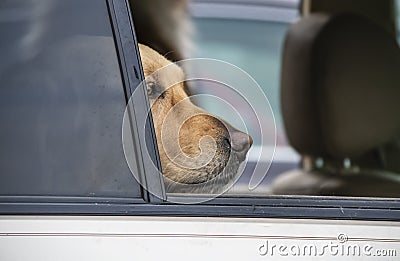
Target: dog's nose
241 142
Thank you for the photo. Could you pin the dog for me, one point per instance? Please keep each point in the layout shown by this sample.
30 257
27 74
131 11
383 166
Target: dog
199 152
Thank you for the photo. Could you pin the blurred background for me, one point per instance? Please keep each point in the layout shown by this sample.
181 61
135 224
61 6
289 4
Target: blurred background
248 34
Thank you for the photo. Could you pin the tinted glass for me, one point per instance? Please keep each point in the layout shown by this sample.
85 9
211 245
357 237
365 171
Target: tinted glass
61 101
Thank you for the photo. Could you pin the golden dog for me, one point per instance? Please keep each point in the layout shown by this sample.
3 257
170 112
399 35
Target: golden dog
199 152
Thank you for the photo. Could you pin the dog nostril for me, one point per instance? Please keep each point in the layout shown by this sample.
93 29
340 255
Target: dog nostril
227 143
241 142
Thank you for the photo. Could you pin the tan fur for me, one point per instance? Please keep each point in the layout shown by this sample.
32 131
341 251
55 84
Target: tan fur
185 128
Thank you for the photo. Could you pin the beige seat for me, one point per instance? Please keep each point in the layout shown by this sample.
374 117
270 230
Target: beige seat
341 107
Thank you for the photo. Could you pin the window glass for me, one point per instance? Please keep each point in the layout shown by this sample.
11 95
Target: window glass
61 101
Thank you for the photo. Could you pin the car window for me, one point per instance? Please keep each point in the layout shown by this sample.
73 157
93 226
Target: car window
249 36
61 101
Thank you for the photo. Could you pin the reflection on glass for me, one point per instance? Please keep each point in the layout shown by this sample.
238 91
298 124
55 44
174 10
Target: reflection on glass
61 101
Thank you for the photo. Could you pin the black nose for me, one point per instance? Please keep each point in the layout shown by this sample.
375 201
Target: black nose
241 142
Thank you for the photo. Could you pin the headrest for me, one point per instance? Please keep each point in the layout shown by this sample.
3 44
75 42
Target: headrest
340 86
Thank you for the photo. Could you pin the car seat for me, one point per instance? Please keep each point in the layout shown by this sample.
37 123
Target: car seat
340 96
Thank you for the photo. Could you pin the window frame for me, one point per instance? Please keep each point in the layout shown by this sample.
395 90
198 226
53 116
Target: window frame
132 75
288 207
291 207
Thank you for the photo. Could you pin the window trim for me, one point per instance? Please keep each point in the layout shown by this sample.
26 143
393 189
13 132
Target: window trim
132 74
293 207
297 207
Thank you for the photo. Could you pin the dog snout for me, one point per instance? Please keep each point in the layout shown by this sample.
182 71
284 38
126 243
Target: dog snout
241 143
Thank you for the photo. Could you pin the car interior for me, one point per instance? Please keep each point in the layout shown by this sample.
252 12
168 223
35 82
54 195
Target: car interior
339 101
339 92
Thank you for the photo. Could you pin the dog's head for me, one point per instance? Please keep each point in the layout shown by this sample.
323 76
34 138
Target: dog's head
195 147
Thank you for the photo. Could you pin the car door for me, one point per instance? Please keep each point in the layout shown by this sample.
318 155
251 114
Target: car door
67 71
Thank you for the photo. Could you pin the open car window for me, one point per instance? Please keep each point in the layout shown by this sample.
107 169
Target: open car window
62 101
254 37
